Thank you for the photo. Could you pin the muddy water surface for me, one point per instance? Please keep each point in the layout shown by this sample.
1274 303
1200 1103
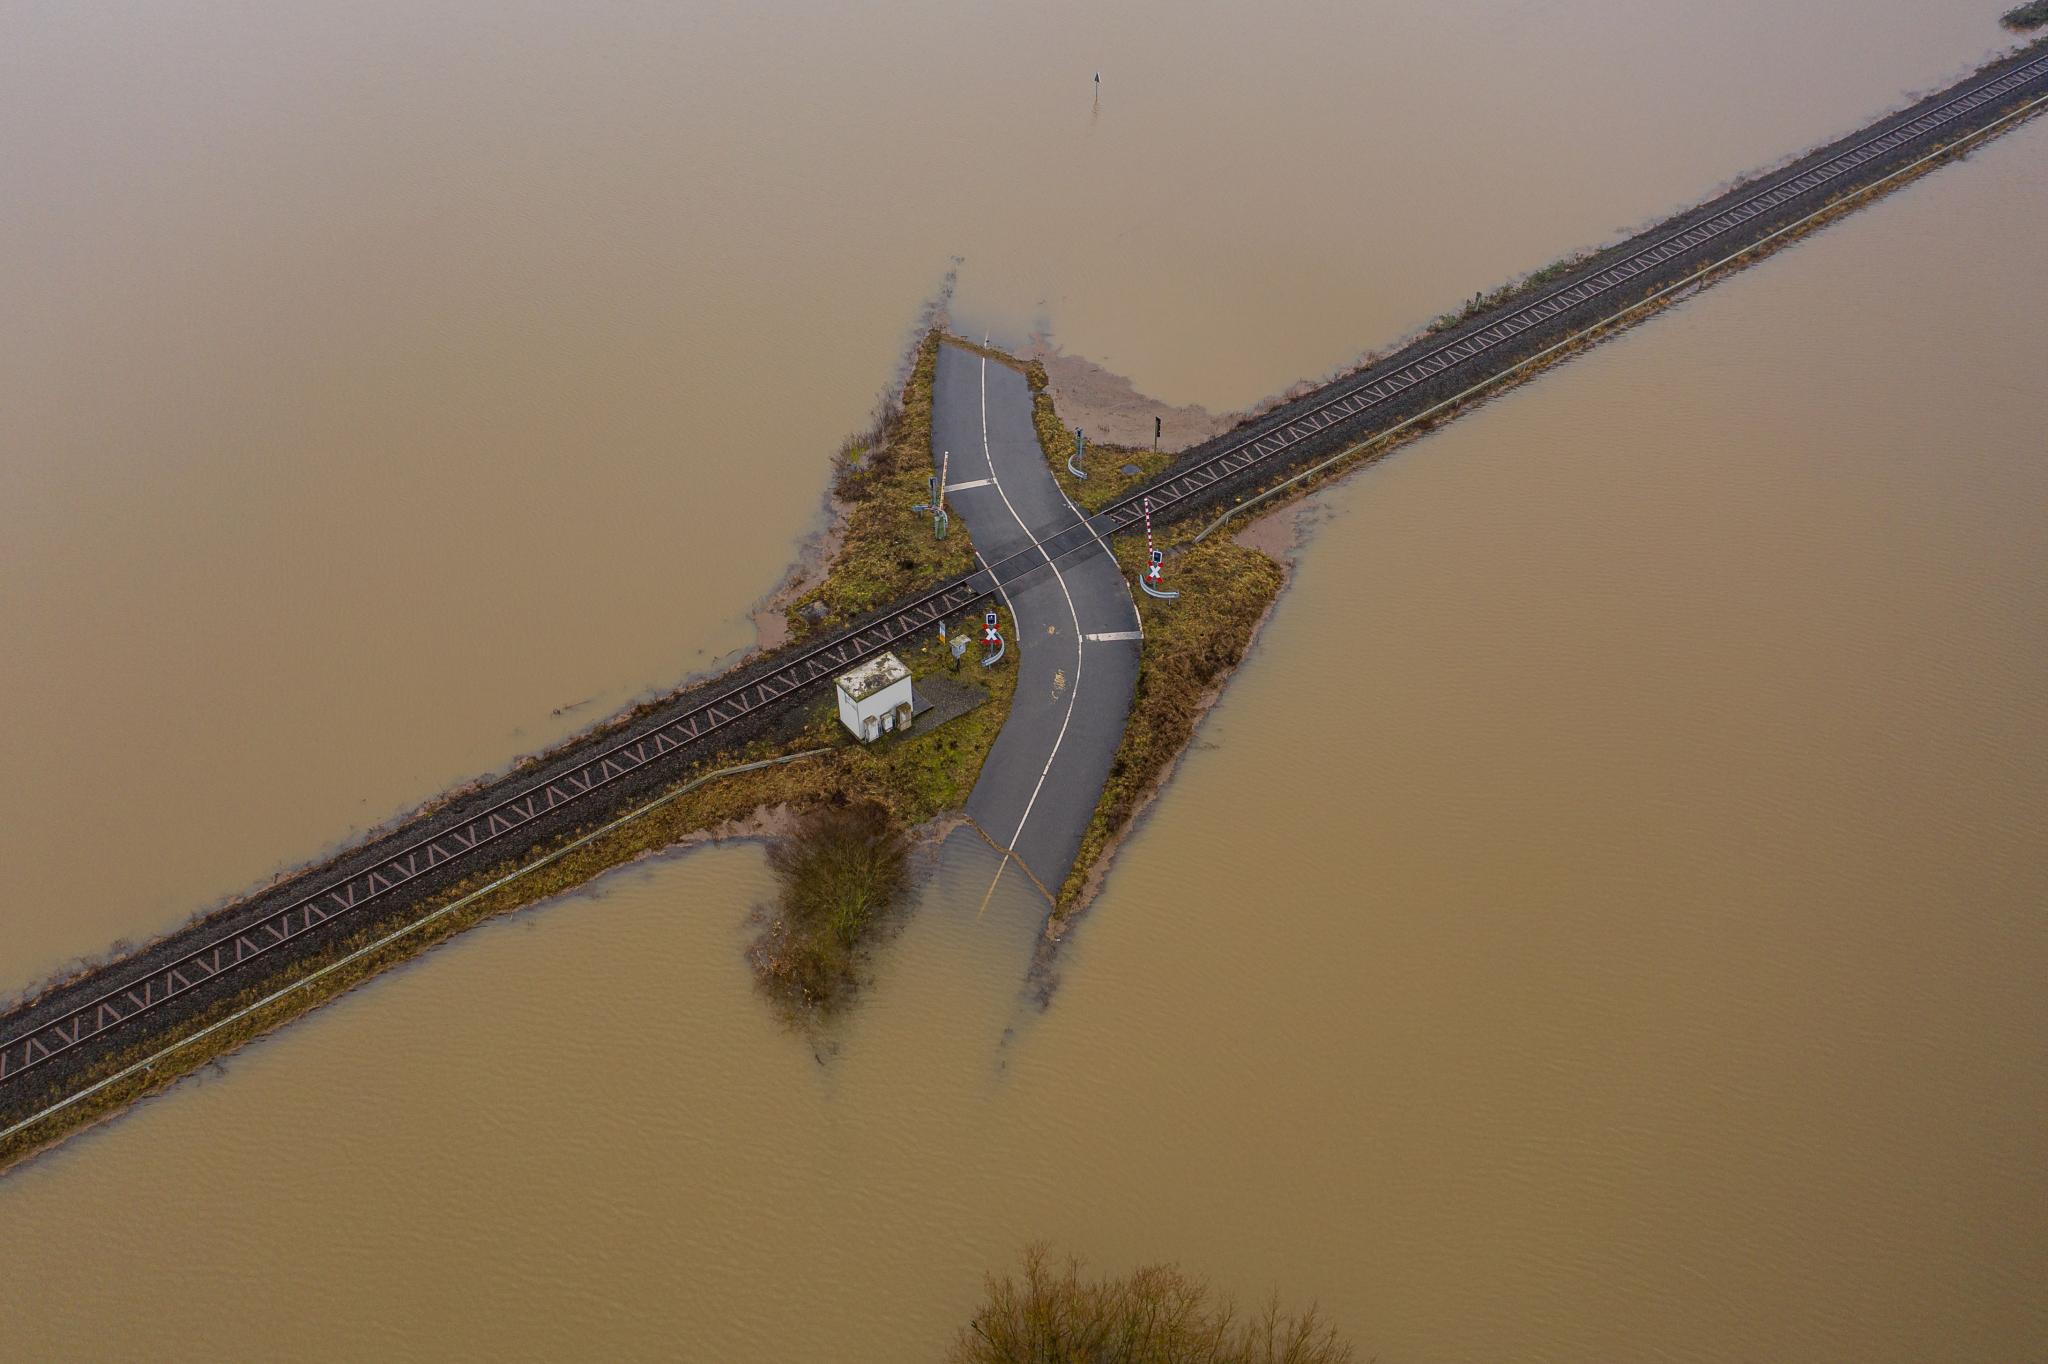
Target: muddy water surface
378 382
1603 920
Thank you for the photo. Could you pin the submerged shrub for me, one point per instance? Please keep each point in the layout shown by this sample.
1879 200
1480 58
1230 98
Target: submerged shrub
1153 1315
838 871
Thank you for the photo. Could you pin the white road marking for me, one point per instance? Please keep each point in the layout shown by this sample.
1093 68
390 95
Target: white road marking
1137 616
1112 635
970 483
1072 611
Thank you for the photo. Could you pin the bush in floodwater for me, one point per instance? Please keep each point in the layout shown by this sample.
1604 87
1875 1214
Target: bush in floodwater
2034 14
1153 1315
839 871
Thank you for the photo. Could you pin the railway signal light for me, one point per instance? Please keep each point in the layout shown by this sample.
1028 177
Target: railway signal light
993 637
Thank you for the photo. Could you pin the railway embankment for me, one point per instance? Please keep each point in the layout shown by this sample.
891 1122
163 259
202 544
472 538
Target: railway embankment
694 764
651 778
1507 335
1498 339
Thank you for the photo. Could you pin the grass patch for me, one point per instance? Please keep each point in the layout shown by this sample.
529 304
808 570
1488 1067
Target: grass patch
888 550
2021 18
1190 647
1104 464
1487 300
1001 357
1156 1314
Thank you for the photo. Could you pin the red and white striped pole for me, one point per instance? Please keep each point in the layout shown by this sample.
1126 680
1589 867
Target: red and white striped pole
1154 560
1153 580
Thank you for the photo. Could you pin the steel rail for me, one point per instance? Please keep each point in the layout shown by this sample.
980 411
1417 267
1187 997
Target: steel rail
157 986
1367 391
1345 401
1600 324
404 930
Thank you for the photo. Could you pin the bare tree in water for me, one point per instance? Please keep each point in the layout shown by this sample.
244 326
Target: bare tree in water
1153 1315
839 870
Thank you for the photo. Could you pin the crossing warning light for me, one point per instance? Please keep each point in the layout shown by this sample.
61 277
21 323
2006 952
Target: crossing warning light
1153 579
992 637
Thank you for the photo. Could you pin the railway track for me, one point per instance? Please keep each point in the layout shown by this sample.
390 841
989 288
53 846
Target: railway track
111 1008
1273 441
58 1025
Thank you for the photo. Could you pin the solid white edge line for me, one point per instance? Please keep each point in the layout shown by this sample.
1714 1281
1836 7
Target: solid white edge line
1137 616
1072 611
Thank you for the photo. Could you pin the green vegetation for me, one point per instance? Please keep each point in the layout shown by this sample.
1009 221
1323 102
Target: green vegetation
1487 300
1190 647
1001 357
2033 14
1154 1315
841 869
1106 480
887 551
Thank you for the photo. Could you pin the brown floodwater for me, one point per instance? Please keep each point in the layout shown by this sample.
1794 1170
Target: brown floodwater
379 380
1603 920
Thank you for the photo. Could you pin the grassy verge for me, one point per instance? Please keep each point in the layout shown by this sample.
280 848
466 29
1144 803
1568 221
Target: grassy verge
1001 357
1487 300
1190 647
1104 464
887 550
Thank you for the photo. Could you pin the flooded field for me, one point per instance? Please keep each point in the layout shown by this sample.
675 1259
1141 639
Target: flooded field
378 383
1601 921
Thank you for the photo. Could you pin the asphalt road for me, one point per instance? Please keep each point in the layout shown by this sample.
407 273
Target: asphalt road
1076 628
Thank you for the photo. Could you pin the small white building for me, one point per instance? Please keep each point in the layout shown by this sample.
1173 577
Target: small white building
875 697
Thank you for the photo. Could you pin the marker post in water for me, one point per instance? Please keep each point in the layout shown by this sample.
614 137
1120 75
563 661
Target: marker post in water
1080 448
993 637
1153 579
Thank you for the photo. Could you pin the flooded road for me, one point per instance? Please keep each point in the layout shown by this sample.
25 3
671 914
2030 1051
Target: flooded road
1601 921
377 384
